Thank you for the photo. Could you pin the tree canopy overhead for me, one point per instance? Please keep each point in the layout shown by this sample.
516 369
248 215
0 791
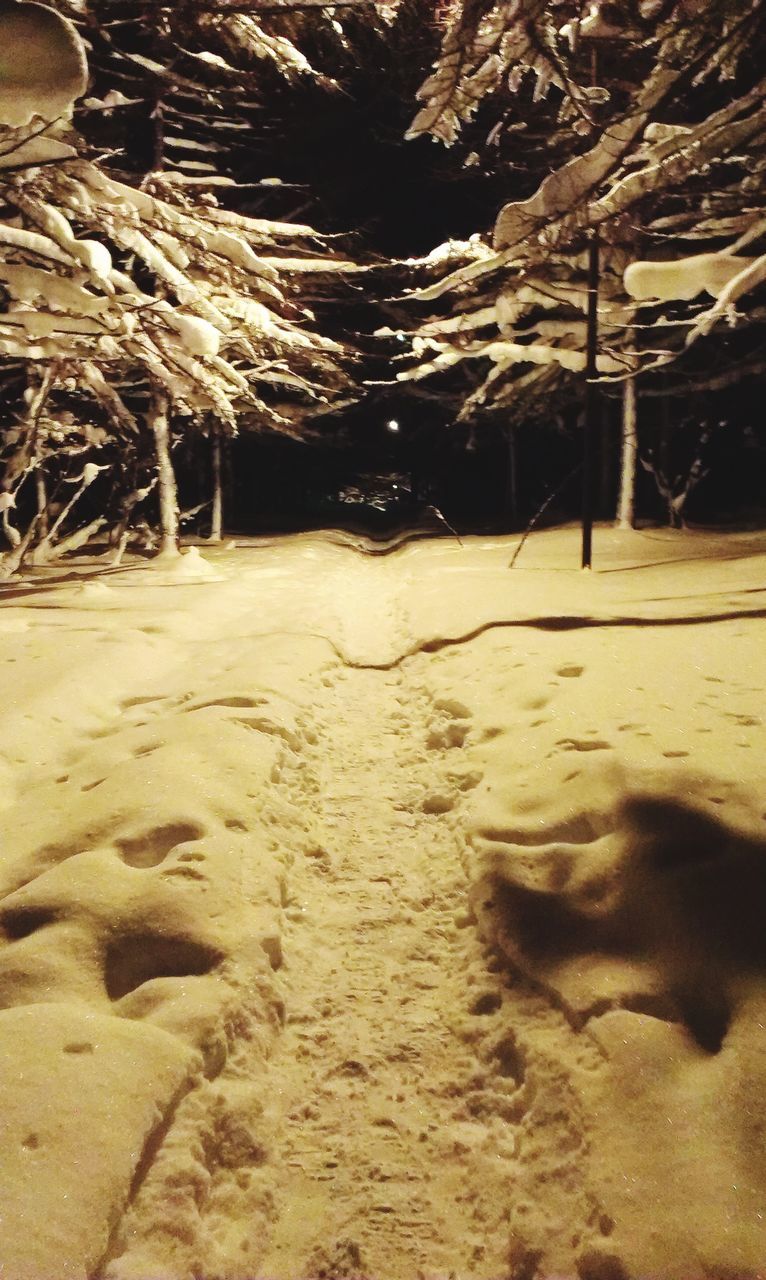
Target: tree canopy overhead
147 295
665 116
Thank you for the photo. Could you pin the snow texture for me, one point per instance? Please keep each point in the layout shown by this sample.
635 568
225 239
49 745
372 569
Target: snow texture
198 336
685 278
42 64
35 151
385 915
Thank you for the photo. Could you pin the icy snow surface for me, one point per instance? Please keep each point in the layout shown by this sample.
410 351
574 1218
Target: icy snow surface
386 915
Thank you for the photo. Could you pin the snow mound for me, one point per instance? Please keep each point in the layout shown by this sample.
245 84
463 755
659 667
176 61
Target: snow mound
95 591
192 565
116 1076
671 862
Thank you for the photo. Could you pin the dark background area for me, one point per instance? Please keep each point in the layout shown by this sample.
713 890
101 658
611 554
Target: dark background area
476 479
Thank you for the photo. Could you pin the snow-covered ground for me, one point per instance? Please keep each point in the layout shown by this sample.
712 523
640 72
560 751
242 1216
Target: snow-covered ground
386 915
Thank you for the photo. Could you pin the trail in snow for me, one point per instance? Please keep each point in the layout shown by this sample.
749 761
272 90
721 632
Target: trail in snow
395 1152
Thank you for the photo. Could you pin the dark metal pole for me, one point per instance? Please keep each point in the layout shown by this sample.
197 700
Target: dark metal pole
591 401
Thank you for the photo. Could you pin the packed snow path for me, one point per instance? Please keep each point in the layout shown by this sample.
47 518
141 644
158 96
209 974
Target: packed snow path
389 1166
386 916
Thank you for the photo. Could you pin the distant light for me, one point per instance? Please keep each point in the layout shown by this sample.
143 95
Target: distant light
392 425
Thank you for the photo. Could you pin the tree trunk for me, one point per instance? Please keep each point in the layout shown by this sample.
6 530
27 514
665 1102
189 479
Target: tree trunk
591 400
44 552
120 548
626 507
216 528
38 400
76 540
168 491
12 560
42 499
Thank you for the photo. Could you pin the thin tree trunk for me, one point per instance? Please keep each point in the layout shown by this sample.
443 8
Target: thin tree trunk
591 400
44 552
168 491
626 507
216 530
41 495
37 404
76 540
12 560
120 548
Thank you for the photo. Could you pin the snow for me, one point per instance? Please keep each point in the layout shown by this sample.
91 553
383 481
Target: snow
42 64
193 565
34 151
198 336
236 250
32 285
94 256
385 915
114 98
685 278
96 591
504 354
33 242
655 131
594 26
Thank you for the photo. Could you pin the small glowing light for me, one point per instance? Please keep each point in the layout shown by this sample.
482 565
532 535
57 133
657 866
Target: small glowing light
392 425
